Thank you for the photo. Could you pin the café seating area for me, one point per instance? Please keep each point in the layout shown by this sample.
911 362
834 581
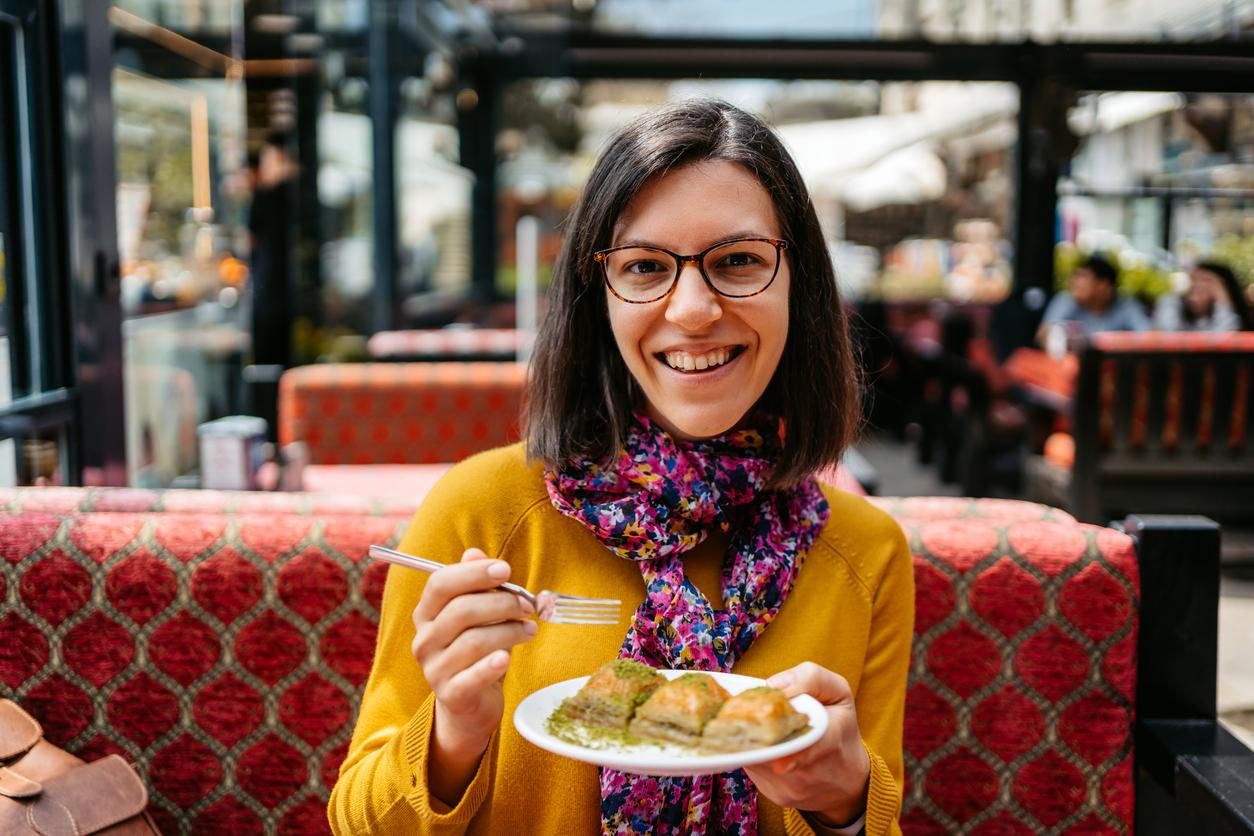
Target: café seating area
219 641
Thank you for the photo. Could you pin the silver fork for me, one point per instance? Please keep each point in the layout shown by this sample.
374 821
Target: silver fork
550 606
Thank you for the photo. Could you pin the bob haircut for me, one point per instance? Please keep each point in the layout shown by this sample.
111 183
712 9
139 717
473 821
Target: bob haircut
580 393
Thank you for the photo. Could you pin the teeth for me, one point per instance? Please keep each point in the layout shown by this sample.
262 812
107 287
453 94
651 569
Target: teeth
697 362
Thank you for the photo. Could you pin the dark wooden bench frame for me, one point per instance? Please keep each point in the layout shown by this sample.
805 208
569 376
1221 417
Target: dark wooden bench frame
1138 472
1192 775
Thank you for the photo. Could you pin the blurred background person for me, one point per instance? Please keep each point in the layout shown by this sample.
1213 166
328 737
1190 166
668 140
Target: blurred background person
1091 303
269 221
1213 301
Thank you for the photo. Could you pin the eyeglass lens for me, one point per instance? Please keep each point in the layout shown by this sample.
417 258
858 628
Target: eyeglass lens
737 268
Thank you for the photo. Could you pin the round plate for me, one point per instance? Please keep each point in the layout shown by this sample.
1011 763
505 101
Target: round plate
662 759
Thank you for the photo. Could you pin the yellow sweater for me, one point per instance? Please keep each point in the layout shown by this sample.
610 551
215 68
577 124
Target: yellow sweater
851 610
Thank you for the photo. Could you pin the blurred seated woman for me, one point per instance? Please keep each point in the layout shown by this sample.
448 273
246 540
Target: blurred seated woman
692 373
1213 301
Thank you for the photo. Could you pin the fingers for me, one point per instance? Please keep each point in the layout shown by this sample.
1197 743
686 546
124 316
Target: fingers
473 610
476 573
472 646
827 687
465 686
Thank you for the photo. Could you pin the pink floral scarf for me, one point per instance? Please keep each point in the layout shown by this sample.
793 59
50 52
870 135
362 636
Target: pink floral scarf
658 499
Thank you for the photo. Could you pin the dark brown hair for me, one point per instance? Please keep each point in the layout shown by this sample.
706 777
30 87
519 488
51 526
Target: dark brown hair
581 394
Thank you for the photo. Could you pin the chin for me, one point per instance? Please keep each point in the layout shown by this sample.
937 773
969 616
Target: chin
698 423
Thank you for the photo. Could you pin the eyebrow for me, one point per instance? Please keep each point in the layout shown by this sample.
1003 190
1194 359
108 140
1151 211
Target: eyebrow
731 236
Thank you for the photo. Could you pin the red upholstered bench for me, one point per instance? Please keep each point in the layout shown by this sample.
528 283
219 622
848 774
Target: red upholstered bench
223 651
400 413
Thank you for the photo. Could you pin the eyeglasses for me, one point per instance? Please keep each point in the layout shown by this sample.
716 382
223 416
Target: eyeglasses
739 268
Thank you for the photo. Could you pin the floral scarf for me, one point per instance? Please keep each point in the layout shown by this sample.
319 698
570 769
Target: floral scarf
659 498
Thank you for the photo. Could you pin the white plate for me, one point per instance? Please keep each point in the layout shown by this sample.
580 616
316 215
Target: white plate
662 759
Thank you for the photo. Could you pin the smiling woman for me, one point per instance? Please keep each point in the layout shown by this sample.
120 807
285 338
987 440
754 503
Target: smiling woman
692 374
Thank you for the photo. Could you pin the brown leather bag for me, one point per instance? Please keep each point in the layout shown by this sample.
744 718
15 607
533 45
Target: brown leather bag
45 791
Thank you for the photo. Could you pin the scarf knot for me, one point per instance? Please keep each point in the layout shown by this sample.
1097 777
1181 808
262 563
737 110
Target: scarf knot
657 499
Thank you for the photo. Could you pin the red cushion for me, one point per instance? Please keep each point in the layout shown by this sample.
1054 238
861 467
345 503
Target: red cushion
225 654
1020 695
400 413
239 687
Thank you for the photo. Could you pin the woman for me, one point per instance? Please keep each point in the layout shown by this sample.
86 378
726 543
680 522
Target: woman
662 389
1213 301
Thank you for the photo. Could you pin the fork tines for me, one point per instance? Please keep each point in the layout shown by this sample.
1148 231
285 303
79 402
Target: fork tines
569 609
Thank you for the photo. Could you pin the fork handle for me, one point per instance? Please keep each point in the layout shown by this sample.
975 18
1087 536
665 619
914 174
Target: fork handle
411 561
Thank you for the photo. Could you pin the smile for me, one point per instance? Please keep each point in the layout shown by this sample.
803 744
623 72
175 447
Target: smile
683 361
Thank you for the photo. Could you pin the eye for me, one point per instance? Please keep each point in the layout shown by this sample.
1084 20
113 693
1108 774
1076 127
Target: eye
645 267
739 259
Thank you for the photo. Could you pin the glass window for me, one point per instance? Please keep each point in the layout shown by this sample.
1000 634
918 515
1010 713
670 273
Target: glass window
183 193
1159 182
433 196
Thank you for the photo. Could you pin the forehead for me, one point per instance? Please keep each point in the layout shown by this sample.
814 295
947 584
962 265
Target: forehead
699 202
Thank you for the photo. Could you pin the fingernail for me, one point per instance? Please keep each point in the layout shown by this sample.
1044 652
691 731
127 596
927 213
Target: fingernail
500 659
525 605
499 570
530 628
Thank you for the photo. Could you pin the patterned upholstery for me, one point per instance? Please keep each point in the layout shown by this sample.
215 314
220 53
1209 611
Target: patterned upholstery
1019 707
400 413
136 500
223 653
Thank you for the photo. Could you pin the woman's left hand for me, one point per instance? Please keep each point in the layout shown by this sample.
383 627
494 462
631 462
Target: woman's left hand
829 778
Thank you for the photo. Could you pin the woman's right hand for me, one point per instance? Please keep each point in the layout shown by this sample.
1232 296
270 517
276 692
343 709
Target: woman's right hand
464 628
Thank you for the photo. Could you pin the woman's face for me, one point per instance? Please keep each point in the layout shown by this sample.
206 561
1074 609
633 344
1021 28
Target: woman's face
701 359
1205 289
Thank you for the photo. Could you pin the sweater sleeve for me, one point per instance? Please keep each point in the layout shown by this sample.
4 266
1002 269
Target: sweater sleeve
382 785
881 697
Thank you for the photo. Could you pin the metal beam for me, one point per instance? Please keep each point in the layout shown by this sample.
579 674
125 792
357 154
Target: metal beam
1222 66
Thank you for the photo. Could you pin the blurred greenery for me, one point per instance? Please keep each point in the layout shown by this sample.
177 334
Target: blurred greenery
507 277
154 149
1237 253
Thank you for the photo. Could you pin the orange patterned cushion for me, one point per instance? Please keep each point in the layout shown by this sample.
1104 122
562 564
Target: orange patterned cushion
400 413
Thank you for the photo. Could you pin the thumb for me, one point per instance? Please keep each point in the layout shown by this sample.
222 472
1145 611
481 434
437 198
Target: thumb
473 554
826 686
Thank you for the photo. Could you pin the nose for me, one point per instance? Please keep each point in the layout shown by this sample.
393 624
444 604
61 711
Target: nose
693 306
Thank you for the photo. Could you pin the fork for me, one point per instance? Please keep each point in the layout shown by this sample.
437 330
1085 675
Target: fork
549 606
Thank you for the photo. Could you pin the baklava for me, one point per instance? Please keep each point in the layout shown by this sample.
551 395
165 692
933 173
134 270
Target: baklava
612 694
753 718
679 710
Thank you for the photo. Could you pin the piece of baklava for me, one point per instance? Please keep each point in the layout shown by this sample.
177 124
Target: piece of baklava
679 710
612 693
757 717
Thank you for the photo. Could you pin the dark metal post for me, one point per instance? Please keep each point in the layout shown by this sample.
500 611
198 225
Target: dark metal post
1178 642
478 118
92 240
383 116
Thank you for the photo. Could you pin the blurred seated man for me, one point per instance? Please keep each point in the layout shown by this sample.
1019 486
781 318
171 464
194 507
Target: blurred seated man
1092 303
